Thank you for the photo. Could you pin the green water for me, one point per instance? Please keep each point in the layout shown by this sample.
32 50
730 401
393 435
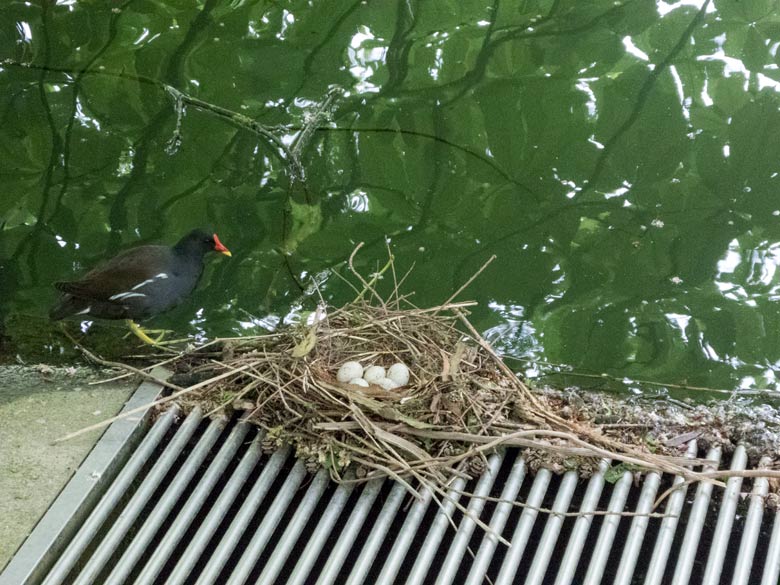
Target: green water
620 159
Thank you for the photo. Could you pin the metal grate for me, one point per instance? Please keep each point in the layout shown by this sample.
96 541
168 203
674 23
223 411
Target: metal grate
197 501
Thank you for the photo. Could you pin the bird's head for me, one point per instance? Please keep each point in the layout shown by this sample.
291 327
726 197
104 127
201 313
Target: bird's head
198 242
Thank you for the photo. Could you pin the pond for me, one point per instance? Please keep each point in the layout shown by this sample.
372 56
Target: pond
620 159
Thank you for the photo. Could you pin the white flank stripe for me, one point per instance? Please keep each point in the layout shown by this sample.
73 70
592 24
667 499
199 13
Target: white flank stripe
125 295
85 311
160 276
140 284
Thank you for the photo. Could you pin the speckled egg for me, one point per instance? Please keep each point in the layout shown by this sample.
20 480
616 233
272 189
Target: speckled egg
399 374
387 384
349 371
373 374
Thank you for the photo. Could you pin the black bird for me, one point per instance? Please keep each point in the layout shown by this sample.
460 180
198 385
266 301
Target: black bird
139 282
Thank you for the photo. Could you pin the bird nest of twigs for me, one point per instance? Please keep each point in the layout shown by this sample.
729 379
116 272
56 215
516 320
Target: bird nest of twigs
461 403
287 383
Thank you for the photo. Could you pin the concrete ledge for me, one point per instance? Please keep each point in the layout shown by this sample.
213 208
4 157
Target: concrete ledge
39 404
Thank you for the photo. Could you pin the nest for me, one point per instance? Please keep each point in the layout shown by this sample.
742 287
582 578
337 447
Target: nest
462 402
286 383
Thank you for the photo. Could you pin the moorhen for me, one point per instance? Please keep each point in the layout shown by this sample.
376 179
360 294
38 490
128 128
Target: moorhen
139 282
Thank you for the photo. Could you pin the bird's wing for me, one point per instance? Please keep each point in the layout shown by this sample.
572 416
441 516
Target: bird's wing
118 276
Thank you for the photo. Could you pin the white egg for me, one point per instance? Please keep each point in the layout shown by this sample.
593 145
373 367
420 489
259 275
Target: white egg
359 382
373 374
387 384
399 374
348 371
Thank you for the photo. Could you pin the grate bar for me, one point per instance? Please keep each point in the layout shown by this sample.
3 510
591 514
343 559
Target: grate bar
459 544
165 504
263 533
523 529
666 532
110 500
501 514
609 525
376 537
130 513
184 518
747 547
772 562
244 516
552 529
636 534
403 539
695 524
436 532
217 513
321 533
571 558
294 529
336 558
728 510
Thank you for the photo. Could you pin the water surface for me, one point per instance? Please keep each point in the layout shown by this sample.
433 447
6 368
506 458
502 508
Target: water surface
620 159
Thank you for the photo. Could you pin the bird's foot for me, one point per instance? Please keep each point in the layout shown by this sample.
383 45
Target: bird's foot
143 334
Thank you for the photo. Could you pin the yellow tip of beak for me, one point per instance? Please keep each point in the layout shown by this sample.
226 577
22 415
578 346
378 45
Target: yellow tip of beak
226 253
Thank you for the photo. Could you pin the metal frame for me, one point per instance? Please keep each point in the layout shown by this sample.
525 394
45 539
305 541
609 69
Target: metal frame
53 532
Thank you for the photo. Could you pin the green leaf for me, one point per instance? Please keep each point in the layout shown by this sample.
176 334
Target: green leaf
616 472
755 52
306 345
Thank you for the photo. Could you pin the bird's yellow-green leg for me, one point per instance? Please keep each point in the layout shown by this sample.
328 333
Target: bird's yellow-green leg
141 334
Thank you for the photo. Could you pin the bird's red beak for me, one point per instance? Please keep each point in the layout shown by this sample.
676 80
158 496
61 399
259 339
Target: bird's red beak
219 247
